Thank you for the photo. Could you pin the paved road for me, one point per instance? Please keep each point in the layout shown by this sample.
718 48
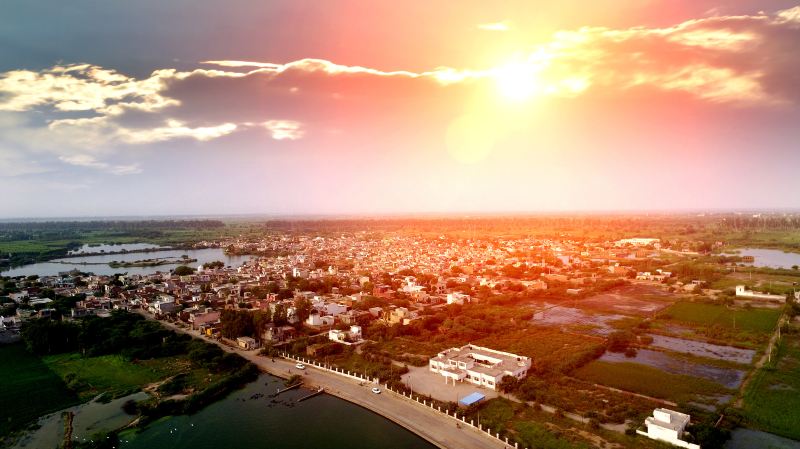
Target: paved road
439 429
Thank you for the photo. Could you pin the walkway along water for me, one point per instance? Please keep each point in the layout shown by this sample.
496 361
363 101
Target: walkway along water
437 427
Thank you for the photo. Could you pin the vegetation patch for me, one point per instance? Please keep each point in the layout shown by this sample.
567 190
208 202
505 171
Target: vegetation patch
29 389
772 399
649 381
754 320
112 374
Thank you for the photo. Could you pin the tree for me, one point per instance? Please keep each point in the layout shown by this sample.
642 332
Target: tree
183 270
213 265
302 308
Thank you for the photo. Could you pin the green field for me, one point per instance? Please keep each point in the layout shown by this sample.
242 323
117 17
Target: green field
754 320
772 399
111 374
649 381
29 389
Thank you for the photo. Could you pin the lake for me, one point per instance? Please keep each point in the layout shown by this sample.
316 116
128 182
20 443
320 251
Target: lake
249 418
773 258
52 268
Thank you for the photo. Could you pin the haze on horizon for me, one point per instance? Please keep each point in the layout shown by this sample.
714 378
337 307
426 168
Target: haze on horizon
200 107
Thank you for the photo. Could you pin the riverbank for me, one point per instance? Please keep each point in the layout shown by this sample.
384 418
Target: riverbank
435 427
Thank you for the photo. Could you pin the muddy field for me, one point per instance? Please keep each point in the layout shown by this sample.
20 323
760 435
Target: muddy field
636 299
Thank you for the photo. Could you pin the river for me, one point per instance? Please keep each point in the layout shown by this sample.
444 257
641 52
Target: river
52 268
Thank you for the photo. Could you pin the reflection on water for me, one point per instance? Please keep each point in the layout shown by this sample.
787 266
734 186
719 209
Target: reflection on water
773 258
702 349
89 419
728 377
751 439
250 418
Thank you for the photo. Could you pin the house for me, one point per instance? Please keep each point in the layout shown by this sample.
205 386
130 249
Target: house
401 315
351 337
478 365
668 426
247 343
457 298
315 319
743 292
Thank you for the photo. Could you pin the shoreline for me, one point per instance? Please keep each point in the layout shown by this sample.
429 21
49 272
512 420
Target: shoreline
434 427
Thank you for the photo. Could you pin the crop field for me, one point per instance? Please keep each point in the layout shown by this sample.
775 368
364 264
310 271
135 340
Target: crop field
110 373
754 320
550 349
29 389
772 399
649 381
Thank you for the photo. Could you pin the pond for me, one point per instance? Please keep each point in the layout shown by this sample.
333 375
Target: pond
772 258
730 378
598 324
98 264
89 419
702 349
752 439
250 418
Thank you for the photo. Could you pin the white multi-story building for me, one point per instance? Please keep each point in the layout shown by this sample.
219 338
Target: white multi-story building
668 426
479 365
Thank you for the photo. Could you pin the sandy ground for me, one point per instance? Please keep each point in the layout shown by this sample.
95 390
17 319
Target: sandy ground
422 381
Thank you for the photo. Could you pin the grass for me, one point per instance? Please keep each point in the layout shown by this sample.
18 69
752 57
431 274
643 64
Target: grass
772 399
550 349
754 320
110 374
29 389
649 381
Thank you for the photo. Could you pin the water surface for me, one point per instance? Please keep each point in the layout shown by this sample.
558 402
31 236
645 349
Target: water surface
730 378
249 418
772 258
99 263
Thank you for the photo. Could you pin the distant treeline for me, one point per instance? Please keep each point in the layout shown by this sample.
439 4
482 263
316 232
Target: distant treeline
23 228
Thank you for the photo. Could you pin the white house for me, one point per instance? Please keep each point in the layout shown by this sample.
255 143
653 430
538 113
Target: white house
668 426
479 365
353 336
457 298
315 319
743 292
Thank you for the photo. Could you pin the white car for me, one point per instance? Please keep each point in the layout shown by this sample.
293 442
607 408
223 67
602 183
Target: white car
300 366
376 390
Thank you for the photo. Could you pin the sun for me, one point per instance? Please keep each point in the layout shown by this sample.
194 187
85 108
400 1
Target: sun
517 80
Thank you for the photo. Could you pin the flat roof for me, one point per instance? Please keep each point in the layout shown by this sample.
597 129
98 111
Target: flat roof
472 398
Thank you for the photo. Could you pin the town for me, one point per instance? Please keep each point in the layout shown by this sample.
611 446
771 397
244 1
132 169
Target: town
467 322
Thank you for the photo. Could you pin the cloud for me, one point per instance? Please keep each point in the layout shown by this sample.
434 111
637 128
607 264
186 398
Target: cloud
494 26
82 87
284 129
80 109
85 160
12 163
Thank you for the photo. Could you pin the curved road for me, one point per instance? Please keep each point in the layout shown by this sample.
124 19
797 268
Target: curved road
441 430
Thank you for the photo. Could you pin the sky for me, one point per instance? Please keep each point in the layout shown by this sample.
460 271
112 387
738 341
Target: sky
375 107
